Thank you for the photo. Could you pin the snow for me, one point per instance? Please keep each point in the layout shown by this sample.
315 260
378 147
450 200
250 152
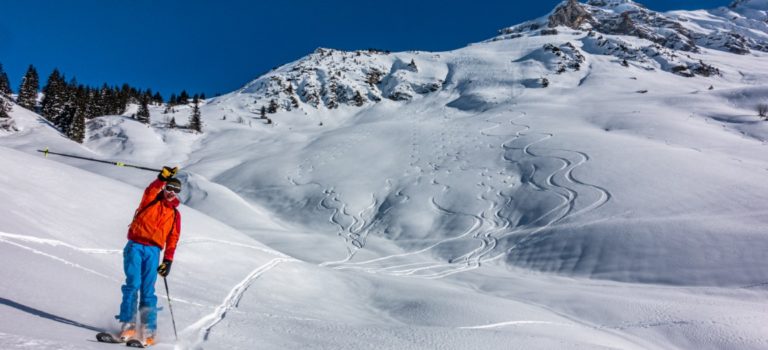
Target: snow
489 213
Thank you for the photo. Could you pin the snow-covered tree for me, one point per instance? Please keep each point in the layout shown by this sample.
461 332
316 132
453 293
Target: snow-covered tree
4 107
65 119
5 85
6 122
331 98
30 85
143 114
359 99
272 109
92 105
183 97
105 100
195 121
76 130
54 96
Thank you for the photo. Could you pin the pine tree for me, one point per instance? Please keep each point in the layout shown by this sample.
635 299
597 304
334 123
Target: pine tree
124 97
5 85
143 113
76 129
92 106
6 122
148 95
54 96
28 89
331 98
65 119
183 97
103 99
263 112
3 110
111 100
172 123
157 98
272 106
359 100
194 122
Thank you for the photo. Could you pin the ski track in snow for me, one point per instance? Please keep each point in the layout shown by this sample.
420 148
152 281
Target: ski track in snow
7 238
520 323
576 198
202 328
55 243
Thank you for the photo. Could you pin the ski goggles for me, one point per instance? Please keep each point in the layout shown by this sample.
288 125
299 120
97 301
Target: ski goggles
172 188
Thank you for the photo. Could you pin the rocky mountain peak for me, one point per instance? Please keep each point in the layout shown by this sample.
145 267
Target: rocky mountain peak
570 14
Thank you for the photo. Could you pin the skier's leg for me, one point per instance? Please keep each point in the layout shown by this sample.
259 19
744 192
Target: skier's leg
148 300
132 269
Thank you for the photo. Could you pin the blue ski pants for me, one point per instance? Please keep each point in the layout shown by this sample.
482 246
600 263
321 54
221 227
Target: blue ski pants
140 265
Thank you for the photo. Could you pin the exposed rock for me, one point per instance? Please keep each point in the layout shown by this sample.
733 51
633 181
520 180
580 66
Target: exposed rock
571 14
570 57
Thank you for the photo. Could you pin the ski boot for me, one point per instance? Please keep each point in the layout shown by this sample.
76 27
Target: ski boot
127 331
147 339
149 336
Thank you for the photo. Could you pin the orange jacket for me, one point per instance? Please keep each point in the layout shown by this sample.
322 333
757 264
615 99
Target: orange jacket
157 222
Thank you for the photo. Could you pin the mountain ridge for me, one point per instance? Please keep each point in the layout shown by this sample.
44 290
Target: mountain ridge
328 78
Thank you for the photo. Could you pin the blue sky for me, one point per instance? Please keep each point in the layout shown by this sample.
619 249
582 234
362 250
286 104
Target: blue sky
217 46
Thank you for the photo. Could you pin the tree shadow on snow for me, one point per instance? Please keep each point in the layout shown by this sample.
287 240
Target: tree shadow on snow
43 314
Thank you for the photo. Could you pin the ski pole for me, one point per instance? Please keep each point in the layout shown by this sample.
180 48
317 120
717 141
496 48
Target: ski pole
47 152
170 308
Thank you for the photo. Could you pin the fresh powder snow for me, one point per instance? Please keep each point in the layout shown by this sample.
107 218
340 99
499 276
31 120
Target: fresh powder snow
592 179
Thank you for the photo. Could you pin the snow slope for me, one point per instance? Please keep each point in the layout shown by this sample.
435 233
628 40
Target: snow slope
540 190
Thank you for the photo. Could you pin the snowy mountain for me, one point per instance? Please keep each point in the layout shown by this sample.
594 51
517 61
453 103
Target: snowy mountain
593 178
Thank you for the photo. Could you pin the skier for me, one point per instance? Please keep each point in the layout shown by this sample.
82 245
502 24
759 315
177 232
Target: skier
156 226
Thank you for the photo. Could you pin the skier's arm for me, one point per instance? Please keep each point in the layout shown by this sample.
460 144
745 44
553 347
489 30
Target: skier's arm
173 238
150 193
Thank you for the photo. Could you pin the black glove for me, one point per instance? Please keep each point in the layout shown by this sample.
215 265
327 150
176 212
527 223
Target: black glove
167 173
165 268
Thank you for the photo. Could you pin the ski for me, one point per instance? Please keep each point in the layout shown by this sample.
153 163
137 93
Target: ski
134 343
105 337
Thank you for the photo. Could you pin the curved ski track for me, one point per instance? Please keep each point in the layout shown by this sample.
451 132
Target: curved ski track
205 325
576 197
